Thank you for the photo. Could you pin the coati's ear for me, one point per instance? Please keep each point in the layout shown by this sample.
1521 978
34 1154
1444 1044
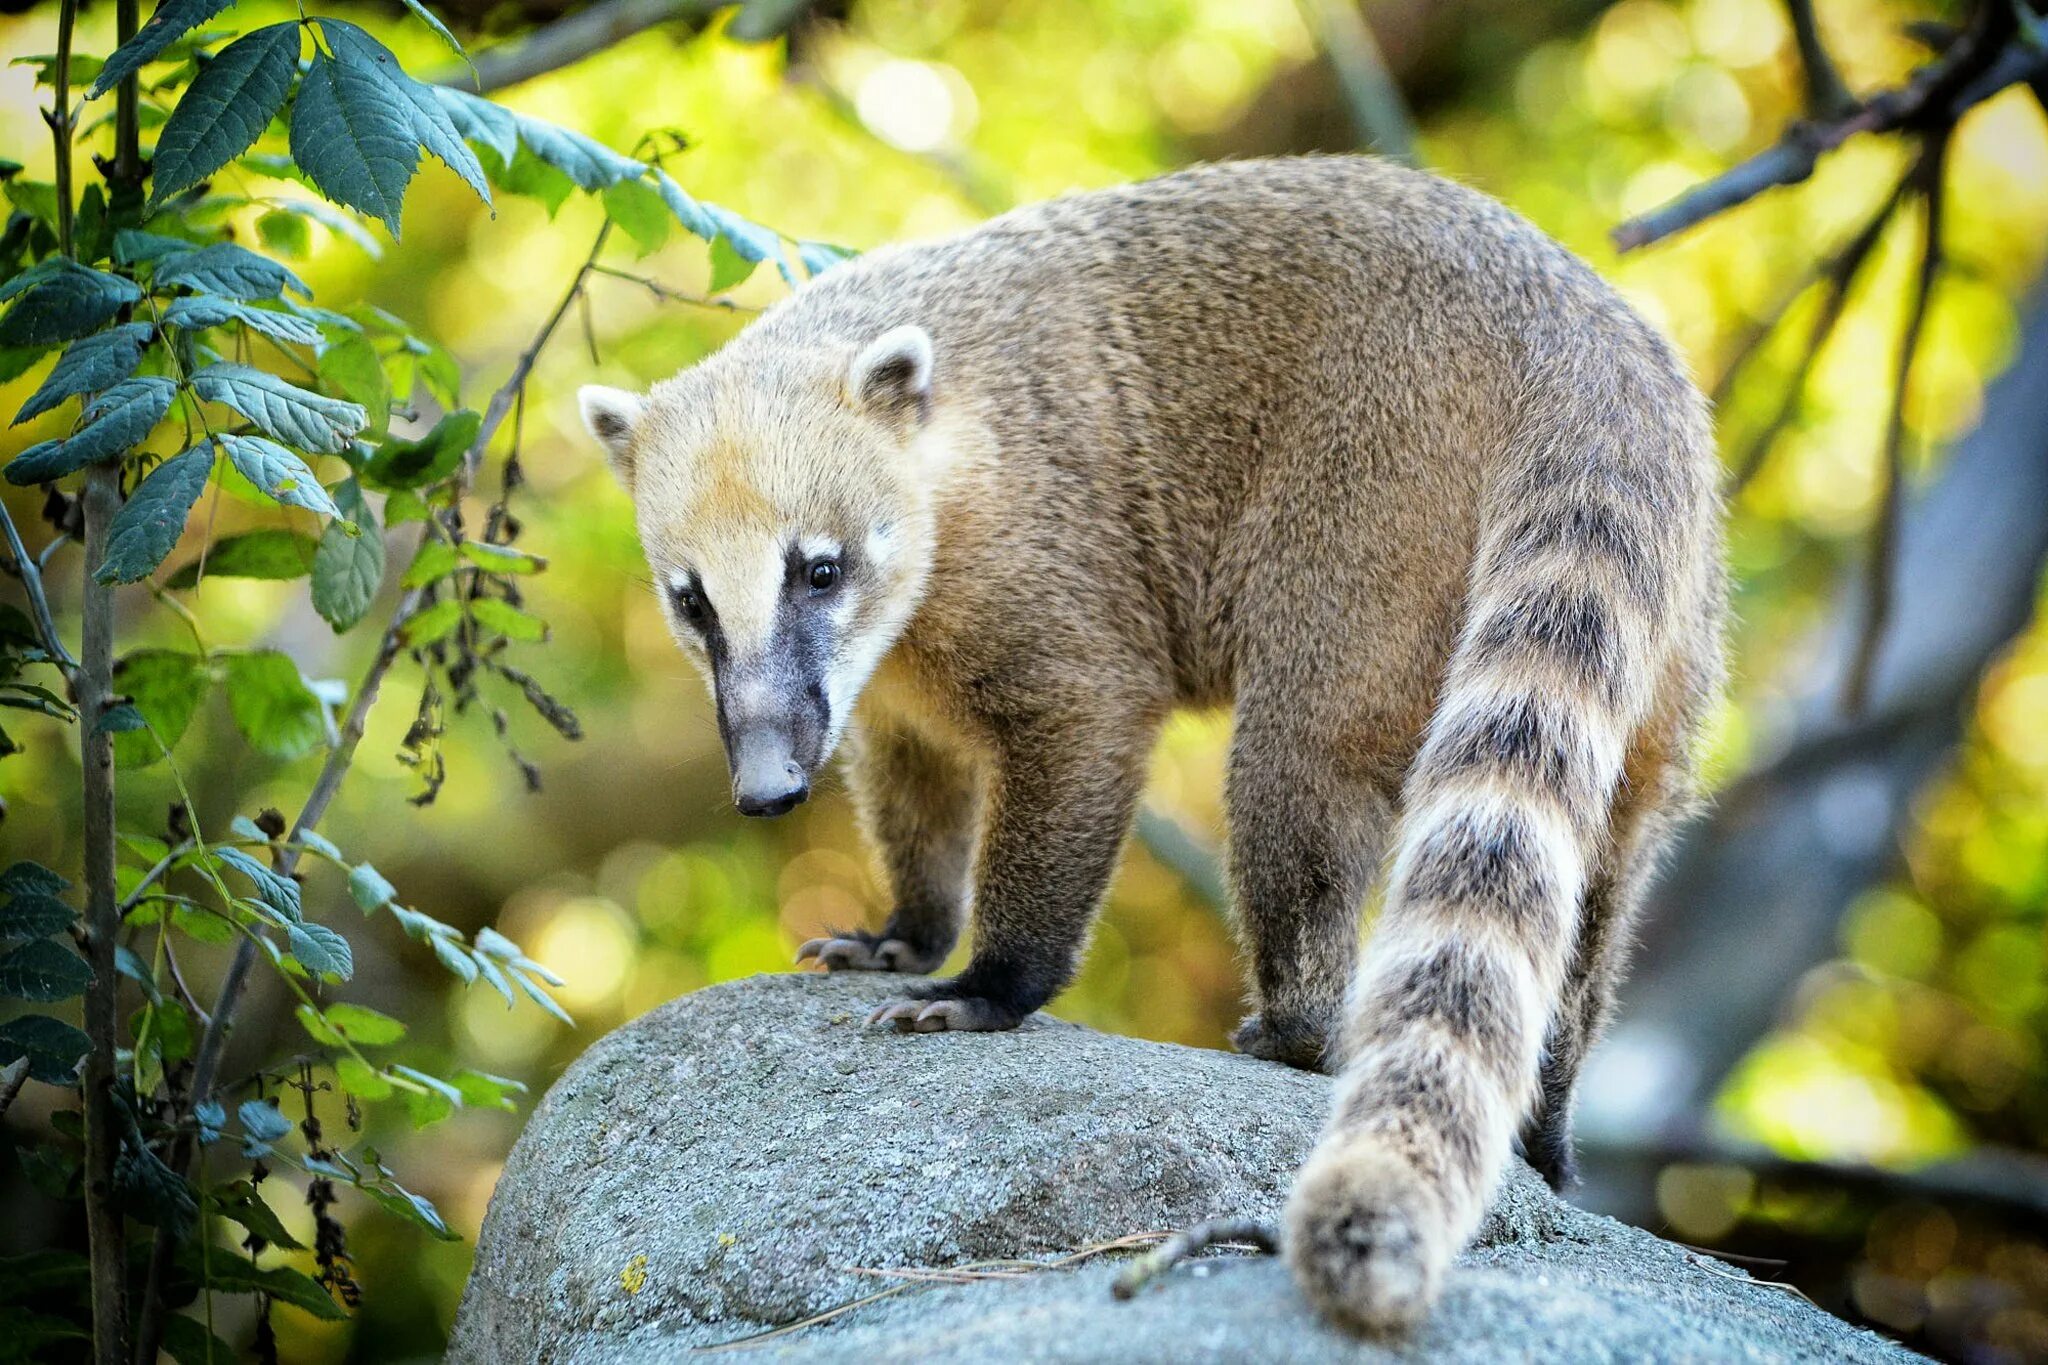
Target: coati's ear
611 415
894 374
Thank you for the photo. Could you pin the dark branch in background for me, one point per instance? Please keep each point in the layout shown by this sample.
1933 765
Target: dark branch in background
212 1043
1984 58
1378 113
1927 177
587 32
1826 96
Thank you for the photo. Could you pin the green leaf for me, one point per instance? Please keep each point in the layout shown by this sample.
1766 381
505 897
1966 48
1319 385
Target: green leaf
59 300
153 518
352 368
819 257
364 1026
87 365
197 312
263 1120
353 139
400 463
117 421
35 915
43 970
426 1107
728 266
432 562
359 1078
541 998
272 554
31 879
315 1024
431 125
411 1207
167 687
228 105
348 569
426 17
44 1272
231 1274
285 411
120 719
230 271
278 473
53 1048
337 221
481 1090
276 890
322 951
638 209
592 165
272 705
370 888
286 233
172 20
507 620
501 559
431 624
186 1340
687 210
481 121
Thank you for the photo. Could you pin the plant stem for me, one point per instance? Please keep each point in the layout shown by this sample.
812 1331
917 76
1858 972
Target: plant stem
59 119
30 570
93 684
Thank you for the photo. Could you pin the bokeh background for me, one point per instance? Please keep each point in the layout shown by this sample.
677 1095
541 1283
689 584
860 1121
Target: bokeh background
1831 1061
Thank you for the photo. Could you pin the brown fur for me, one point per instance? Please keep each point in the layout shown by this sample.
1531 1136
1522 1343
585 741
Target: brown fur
1350 447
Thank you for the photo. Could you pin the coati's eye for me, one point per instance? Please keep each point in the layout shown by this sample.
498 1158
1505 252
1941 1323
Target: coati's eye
822 575
689 605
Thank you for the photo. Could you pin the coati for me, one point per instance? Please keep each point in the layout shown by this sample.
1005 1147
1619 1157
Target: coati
1350 448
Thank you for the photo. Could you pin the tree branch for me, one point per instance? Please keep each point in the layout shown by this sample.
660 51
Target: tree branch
569 40
29 569
1826 96
1984 59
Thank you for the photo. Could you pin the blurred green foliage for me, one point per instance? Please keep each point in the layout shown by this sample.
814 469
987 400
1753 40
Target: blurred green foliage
629 875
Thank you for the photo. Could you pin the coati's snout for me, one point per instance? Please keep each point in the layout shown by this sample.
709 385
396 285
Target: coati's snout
775 719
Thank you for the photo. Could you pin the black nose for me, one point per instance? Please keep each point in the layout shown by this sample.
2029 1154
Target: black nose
778 797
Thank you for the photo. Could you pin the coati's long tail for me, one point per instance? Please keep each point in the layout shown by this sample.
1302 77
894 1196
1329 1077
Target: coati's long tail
1591 543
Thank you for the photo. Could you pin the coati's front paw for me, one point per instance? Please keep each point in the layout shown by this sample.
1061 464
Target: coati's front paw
1293 1044
856 950
1367 1239
940 1007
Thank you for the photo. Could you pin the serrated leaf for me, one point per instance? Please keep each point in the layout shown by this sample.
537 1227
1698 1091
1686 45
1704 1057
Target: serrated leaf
352 367
35 915
120 719
686 209
187 1342
403 464
361 1079
819 257
172 20
455 960
88 365
638 209
426 1107
348 569
431 126
482 1090
278 473
230 271
271 554
501 559
321 950
293 415
53 1048
153 518
167 686
25 878
426 16
353 139
43 970
319 843
197 312
431 624
481 121
242 1202
507 620
276 890
226 108
592 165
369 887
272 705
263 1120
541 998
133 246
364 1026
411 1207
227 1273
117 421
59 300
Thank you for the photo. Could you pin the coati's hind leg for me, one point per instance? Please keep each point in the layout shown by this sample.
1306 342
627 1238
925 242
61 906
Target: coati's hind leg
920 806
1645 817
1058 805
1305 843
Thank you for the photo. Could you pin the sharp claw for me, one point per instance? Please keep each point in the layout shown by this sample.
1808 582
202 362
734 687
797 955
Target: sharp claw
934 1018
810 949
895 1011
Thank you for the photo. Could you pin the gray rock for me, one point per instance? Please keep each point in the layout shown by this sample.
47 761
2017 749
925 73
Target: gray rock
732 1162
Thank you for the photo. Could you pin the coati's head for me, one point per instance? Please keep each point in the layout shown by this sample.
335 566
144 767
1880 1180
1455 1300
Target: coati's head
783 498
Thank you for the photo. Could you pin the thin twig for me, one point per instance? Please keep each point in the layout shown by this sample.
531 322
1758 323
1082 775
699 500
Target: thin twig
1379 115
29 569
1826 96
670 295
1928 176
1837 278
1249 1232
